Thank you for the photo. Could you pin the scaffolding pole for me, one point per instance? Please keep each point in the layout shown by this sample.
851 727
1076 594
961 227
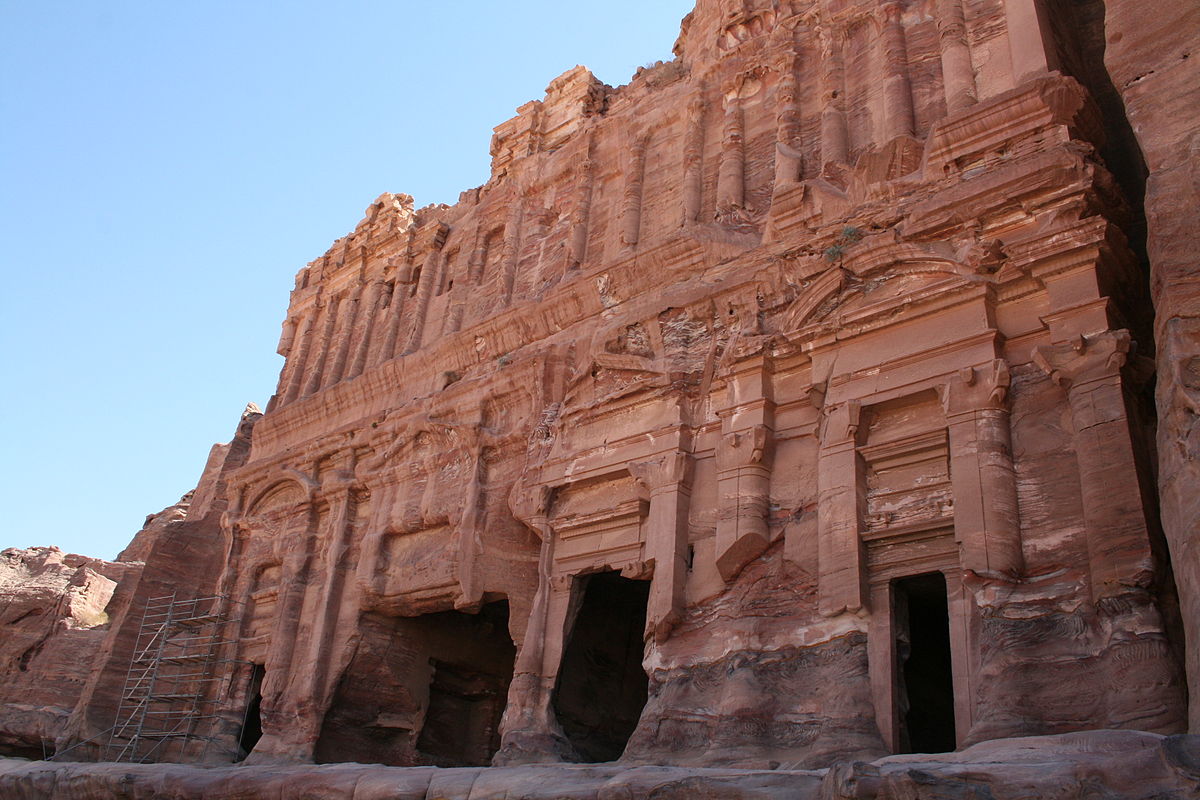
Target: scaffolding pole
174 679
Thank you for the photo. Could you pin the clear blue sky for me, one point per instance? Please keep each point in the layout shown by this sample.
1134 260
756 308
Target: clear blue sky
166 167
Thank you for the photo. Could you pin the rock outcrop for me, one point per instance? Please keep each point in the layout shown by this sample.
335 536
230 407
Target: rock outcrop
789 406
1152 58
54 609
1098 764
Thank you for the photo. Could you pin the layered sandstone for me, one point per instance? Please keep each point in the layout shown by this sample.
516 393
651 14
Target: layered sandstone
1152 60
789 405
1109 764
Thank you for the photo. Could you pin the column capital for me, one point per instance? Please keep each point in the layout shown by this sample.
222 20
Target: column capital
890 10
531 505
841 423
745 448
339 488
977 388
1085 359
663 471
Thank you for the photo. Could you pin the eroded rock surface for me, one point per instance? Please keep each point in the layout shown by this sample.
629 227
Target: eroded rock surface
789 406
1153 62
54 609
1098 764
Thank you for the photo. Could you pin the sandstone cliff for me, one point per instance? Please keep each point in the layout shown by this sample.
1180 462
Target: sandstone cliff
55 611
1151 58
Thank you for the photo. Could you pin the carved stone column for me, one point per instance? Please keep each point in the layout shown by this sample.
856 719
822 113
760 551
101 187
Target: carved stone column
835 138
958 75
1029 40
394 317
580 218
987 521
631 202
530 732
668 479
279 712
298 358
897 93
693 160
743 495
789 162
313 384
338 369
478 257
331 618
1089 368
512 241
731 173
840 586
370 316
424 292
430 276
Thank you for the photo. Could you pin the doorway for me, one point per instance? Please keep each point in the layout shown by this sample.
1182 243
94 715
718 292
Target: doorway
252 721
426 690
602 687
924 674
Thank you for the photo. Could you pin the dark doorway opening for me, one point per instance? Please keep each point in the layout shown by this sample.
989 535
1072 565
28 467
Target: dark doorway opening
467 695
602 687
427 690
462 725
252 723
925 676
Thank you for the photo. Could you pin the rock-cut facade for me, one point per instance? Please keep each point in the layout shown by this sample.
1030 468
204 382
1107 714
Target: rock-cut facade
791 404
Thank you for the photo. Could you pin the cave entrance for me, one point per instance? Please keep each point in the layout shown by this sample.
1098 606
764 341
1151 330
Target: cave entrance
602 687
252 721
462 725
468 689
924 674
426 690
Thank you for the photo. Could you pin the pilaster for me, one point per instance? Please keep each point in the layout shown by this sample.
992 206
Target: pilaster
840 553
667 478
1089 369
986 517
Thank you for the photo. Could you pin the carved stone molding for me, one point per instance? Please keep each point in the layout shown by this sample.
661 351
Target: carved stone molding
1085 358
663 472
979 387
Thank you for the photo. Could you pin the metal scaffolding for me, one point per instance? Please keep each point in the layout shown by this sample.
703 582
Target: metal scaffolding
174 679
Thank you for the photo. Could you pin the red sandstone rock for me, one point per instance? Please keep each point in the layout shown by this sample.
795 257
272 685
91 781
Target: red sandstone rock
1139 766
1152 58
54 612
779 408
143 540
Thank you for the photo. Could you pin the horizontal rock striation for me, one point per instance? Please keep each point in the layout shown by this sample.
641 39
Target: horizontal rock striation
1095 764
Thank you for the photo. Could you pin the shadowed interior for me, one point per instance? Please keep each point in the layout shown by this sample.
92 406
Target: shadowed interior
926 693
601 685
